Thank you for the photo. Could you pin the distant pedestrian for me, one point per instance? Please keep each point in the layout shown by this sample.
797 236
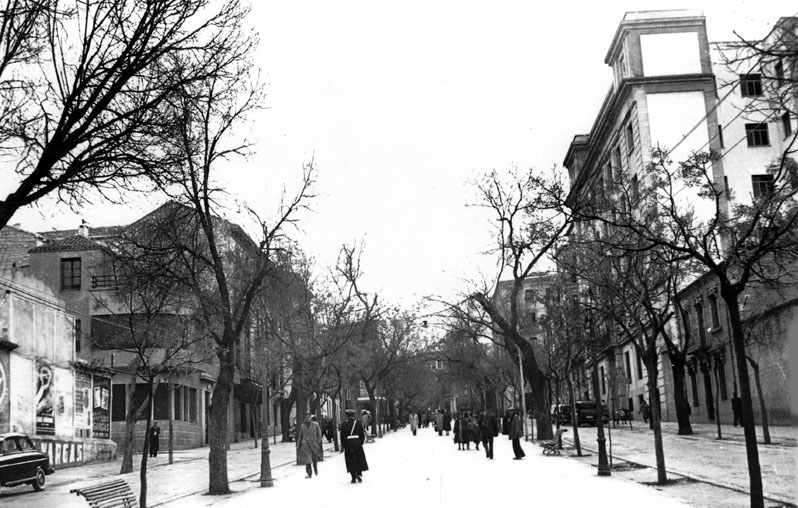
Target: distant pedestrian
155 439
447 422
308 446
473 430
459 434
352 438
413 423
488 429
439 422
365 419
516 432
645 410
737 409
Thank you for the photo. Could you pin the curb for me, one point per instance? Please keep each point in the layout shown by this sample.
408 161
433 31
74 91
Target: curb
770 497
230 480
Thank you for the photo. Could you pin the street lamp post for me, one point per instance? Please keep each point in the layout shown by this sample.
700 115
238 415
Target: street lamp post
603 463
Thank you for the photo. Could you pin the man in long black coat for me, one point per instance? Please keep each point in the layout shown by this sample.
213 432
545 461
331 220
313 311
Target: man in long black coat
352 439
488 429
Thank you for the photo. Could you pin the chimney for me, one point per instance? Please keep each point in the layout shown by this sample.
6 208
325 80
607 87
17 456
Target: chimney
83 229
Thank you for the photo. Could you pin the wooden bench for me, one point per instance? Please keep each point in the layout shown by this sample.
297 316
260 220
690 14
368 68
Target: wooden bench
552 447
113 494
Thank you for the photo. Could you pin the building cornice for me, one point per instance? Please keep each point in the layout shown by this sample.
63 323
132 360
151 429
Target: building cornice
651 19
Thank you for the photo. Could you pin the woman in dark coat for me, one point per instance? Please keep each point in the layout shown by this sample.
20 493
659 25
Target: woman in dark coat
447 422
458 432
352 439
473 430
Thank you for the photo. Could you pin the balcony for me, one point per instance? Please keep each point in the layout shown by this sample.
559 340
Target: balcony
103 281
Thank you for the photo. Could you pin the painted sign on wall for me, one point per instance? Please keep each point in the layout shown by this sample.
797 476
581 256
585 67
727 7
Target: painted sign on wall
83 404
102 407
45 416
62 452
5 381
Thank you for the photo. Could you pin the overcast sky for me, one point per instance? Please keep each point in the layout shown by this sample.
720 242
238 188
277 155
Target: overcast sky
401 105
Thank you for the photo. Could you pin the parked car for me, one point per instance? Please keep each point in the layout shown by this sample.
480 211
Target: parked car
587 412
561 412
21 463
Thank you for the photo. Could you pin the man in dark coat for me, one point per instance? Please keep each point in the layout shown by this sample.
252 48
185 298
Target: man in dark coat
488 429
447 422
352 438
155 439
516 432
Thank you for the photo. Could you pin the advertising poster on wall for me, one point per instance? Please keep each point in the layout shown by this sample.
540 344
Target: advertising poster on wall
102 408
45 416
83 404
5 379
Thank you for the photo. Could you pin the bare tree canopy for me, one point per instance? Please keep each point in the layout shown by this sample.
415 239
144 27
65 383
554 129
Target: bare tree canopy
82 85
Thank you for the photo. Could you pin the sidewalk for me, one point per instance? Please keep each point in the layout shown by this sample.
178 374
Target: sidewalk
188 475
702 457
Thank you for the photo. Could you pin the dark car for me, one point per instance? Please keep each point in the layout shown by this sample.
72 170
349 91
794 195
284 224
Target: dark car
561 412
21 463
587 412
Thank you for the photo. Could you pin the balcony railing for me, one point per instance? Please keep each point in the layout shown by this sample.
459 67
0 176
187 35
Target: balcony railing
103 282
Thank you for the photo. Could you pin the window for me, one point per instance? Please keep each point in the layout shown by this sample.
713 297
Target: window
77 335
785 122
702 331
630 139
757 134
750 85
529 294
720 136
162 402
713 311
615 162
192 405
603 384
778 69
724 394
694 389
686 320
762 185
533 317
70 273
639 366
635 190
178 403
119 399
628 363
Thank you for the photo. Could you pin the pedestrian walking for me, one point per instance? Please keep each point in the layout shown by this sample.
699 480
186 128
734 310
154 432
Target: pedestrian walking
645 410
737 409
488 429
473 430
308 446
439 422
155 439
413 423
447 422
516 432
459 437
352 438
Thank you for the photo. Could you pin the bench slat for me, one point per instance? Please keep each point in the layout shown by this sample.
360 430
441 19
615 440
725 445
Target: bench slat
112 494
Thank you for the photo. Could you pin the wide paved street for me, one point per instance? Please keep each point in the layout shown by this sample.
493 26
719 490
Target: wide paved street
428 470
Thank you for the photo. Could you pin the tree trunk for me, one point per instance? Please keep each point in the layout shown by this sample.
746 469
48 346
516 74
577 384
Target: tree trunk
335 417
762 407
653 396
265 461
145 452
171 422
717 399
218 426
285 414
730 297
680 395
574 423
130 428
537 384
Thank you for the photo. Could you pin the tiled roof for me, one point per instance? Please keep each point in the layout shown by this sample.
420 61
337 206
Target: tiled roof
72 243
98 232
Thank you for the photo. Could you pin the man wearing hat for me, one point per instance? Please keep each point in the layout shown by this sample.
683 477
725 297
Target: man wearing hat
352 438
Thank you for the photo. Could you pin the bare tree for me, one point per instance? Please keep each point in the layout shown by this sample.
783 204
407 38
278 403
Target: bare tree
83 87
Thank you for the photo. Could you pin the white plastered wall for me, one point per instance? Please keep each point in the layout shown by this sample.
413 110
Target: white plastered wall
670 54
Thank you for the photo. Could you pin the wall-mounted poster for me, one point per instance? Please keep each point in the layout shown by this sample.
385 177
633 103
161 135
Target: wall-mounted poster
82 404
102 407
45 416
5 379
